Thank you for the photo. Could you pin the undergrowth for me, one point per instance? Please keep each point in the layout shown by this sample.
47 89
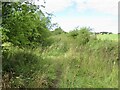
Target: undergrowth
64 64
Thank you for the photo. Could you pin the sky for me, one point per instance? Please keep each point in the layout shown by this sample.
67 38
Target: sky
99 15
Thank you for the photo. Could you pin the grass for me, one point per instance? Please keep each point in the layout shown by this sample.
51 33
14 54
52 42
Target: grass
65 64
84 70
85 66
108 37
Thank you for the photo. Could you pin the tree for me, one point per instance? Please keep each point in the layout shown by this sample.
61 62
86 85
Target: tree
25 23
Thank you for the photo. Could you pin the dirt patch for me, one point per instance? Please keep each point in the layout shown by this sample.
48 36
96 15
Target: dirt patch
55 82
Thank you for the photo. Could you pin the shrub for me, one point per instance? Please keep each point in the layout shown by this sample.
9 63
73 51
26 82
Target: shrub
83 36
73 34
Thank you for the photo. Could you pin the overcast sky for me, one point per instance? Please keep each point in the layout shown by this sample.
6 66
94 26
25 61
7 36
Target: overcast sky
101 15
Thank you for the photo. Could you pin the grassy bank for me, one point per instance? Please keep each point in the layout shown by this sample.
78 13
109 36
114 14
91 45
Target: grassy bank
65 64
87 66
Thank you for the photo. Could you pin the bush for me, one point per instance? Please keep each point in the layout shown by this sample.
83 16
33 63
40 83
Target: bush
74 34
83 36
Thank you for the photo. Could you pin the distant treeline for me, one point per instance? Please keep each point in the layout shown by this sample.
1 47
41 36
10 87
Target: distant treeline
103 33
59 30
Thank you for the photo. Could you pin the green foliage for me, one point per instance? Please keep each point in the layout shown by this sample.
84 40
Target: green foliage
82 35
74 33
58 31
24 24
21 64
4 36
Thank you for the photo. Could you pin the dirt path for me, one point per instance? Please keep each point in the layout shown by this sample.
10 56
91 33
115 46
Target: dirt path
55 82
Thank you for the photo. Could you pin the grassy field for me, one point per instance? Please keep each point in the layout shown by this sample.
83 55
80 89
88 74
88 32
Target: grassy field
108 37
65 64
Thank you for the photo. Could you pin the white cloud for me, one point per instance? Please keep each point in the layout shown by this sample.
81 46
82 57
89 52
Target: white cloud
57 5
104 6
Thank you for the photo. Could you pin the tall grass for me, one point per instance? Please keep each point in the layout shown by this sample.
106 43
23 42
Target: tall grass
64 64
89 67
